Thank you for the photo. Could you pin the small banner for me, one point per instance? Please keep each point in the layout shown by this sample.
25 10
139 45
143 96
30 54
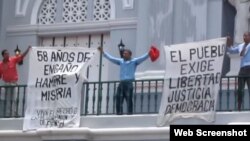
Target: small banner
55 80
191 83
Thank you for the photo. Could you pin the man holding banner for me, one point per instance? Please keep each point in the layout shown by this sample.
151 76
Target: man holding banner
8 70
9 74
244 73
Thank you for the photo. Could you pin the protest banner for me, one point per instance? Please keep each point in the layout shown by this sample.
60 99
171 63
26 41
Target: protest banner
191 83
55 80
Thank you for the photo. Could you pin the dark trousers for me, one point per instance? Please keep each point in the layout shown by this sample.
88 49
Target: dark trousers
124 91
244 77
9 103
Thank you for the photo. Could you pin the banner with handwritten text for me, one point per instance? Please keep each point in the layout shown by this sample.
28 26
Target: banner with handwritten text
191 83
54 87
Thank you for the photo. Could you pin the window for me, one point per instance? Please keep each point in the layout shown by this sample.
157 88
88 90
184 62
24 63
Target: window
73 11
47 12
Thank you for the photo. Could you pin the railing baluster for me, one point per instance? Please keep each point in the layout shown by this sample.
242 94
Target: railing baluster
86 86
243 100
107 98
17 102
149 87
228 92
114 98
135 97
220 95
24 102
235 92
94 99
156 96
142 94
99 103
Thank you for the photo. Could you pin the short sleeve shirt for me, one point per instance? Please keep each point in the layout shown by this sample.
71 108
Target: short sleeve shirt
8 71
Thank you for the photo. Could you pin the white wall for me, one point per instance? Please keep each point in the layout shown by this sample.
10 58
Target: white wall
119 128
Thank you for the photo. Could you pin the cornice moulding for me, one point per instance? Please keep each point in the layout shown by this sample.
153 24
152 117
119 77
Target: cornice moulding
72 28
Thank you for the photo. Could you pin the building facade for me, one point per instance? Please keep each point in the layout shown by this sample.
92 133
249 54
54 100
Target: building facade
93 23
82 22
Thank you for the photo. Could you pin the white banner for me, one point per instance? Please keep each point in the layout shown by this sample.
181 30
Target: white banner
55 80
191 83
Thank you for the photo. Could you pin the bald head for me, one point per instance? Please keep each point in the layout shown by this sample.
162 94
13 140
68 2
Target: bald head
246 37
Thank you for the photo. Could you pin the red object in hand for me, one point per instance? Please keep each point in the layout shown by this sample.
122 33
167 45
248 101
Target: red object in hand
154 53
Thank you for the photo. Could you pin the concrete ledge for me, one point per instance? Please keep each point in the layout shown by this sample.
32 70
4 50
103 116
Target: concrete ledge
112 127
159 74
73 28
159 133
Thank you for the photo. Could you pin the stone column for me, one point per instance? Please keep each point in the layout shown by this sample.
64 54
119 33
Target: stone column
241 18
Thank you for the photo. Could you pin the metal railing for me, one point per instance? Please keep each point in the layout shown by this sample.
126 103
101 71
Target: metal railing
12 101
228 95
146 97
99 98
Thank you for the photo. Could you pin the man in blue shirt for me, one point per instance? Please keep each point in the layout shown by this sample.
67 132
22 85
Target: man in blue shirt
127 76
243 50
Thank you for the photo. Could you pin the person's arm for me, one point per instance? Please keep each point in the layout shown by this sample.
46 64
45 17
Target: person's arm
233 50
142 58
230 47
109 57
20 57
26 52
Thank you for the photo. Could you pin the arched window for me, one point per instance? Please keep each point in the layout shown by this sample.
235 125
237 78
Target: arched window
73 11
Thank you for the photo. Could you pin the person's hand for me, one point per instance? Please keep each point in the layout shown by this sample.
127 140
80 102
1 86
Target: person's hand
26 51
100 49
229 42
29 47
